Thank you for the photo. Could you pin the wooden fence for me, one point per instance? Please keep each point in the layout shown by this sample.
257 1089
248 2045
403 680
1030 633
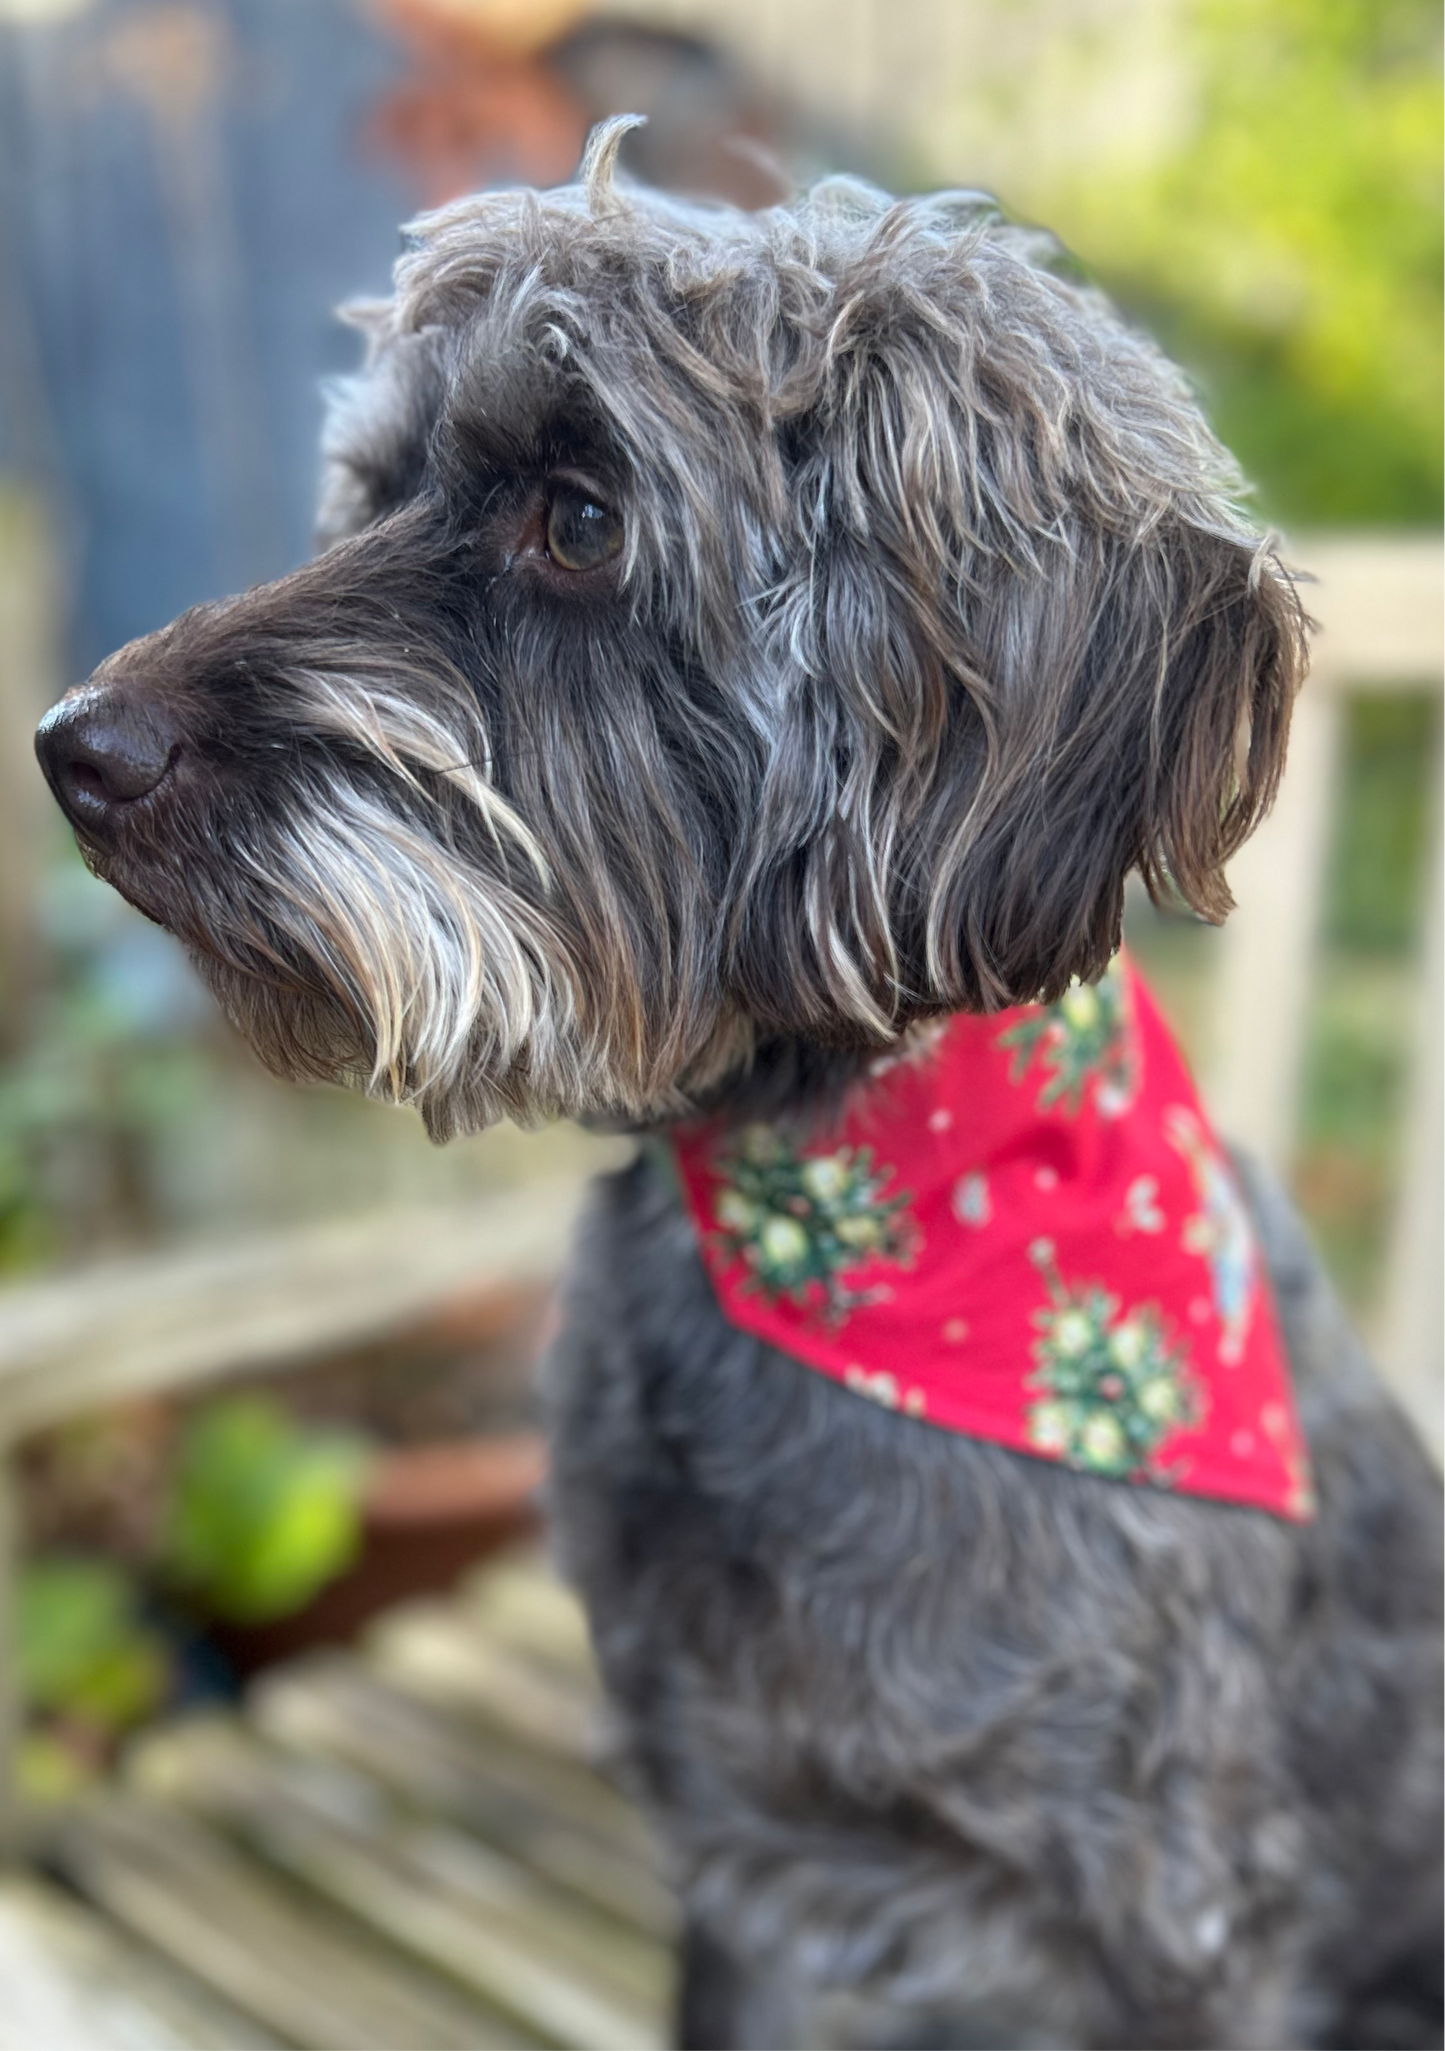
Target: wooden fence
1379 604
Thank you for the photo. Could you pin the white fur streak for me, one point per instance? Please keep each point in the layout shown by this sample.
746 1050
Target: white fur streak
448 973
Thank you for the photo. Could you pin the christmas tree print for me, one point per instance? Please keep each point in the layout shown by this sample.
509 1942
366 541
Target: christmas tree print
1087 1037
1109 1390
800 1221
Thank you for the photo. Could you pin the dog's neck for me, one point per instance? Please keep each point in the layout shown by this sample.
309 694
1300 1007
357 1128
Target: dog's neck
794 1079
787 1078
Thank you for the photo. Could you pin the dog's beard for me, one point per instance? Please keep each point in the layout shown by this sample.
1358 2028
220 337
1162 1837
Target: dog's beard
384 918
351 946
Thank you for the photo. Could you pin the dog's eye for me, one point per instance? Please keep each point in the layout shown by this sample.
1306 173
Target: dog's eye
582 534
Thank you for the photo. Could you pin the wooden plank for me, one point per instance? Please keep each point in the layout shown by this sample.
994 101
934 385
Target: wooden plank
309 1813
1412 1350
1380 602
565 1824
435 1650
130 1326
520 1600
301 1972
1262 992
74 1983
528 1950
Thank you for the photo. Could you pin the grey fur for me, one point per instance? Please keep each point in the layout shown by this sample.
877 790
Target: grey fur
1102 1766
936 614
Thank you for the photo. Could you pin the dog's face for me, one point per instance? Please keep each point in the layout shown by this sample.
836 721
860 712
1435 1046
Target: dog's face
731 629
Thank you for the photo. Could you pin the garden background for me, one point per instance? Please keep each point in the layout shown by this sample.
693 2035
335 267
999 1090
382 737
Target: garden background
186 191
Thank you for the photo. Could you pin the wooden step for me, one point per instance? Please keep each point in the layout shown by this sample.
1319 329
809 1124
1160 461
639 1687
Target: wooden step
520 1600
440 1652
304 1973
562 1821
568 1974
410 1843
71 1981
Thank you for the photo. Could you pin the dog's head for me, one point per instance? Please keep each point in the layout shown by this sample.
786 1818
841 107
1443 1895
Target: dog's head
732 629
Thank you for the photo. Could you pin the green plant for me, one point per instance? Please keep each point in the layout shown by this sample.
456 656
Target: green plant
263 1513
260 1512
111 1066
1258 181
84 1654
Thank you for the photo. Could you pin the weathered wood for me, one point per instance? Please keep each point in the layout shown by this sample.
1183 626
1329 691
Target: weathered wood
442 1654
229 1770
1261 998
358 1862
1380 602
131 1327
71 1982
30 680
1412 1349
520 1601
304 1973
565 1824
1381 626
528 1950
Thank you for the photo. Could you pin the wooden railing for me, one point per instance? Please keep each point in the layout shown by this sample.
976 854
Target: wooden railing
1379 605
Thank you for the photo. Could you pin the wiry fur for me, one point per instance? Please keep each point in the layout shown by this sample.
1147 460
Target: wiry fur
1069 1763
936 617
936 614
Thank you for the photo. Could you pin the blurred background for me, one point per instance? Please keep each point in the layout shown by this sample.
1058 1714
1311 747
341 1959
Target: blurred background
188 188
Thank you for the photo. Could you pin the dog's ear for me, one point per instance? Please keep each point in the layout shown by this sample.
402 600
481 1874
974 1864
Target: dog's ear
1031 645
1134 711
1230 653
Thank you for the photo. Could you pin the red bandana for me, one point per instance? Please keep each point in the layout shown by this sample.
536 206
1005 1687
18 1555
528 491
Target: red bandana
1024 1231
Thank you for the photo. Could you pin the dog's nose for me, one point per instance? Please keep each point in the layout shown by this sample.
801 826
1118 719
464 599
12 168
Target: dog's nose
103 749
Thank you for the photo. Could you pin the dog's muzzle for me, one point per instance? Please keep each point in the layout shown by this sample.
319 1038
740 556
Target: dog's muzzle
104 749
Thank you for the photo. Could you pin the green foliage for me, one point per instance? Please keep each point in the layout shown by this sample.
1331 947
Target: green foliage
83 1651
264 1512
1382 822
1288 246
109 1069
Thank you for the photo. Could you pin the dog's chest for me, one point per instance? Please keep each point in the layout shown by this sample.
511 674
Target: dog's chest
876 1678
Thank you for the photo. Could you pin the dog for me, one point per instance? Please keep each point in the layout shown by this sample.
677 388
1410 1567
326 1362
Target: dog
743 647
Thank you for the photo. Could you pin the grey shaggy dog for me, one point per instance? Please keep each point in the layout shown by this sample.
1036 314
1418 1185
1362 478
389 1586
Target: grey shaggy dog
739 639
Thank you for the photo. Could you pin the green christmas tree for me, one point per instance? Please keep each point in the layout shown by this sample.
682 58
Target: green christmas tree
1109 1390
800 1221
1085 1037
